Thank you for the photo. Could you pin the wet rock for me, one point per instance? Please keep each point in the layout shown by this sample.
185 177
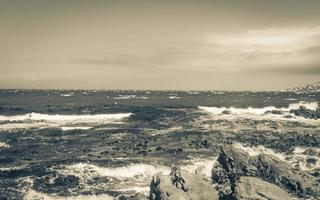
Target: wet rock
275 112
234 163
199 143
255 188
159 148
226 112
302 111
137 196
181 185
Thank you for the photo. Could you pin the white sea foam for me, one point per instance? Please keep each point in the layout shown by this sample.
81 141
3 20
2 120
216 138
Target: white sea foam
164 131
65 118
260 112
130 171
301 159
66 95
16 126
65 122
131 96
4 145
69 128
174 97
205 165
133 177
258 150
298 158
34 195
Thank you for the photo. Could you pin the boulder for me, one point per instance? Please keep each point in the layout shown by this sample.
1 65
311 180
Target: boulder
181 185
302 111
226 112
234 163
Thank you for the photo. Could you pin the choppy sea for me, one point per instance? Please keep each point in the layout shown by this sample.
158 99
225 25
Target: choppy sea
87 144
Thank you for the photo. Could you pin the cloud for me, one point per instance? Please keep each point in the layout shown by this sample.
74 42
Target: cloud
274 50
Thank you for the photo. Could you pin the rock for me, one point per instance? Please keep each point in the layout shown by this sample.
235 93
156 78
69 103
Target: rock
181 185
275 112
231 164
234 163
137 196
255 188
226 112
283 174
302 111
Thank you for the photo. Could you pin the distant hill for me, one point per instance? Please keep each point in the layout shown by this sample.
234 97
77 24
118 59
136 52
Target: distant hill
314 87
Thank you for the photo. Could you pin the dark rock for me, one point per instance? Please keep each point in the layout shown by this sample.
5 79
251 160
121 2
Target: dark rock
226 112
137 196
234 163
302 111
159 148
275 112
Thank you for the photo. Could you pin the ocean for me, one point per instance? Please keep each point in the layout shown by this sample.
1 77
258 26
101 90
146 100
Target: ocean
87 144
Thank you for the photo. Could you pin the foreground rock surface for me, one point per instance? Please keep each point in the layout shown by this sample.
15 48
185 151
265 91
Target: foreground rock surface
181 185
234 163
255 188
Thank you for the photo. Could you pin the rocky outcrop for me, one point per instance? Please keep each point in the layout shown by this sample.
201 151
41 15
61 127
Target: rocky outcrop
302 111
181 185
234 163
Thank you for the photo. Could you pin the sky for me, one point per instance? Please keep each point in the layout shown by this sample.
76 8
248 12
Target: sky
159 45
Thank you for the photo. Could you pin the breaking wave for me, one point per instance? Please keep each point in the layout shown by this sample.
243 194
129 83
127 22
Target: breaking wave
64 118
34 195
65 122
249 112
298 158
4 145
130 171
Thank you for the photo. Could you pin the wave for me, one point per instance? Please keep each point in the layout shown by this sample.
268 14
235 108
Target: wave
69 128
249 112
64 118
204 166
298 158
130 97
130 171
32 195
4 145
260 111
65 122
174 97
130 178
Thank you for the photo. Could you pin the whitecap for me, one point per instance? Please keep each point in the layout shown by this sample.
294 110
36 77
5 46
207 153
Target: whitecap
174 97
133 177
4 145
261 113
64 118
297 159
258 150
69 128
204 165
65 122
34 195
130 171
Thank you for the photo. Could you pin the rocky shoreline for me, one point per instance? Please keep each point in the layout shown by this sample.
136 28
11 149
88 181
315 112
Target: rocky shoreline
235 175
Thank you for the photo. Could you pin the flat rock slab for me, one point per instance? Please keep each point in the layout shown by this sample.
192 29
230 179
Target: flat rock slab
255 188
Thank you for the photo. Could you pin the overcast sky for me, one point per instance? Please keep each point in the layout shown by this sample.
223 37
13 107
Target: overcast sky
163 44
